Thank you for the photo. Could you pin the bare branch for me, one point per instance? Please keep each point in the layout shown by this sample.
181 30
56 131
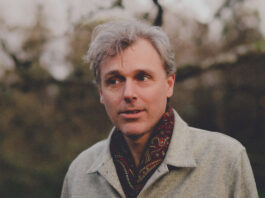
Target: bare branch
159 18
118 3
19 64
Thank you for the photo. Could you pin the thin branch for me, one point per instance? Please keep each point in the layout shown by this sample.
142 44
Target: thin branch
19 64
159 18
191 71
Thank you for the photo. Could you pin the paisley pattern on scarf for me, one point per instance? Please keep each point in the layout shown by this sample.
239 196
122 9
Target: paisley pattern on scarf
133 178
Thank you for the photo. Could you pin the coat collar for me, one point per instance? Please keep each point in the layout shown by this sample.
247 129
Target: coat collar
179 155
104 165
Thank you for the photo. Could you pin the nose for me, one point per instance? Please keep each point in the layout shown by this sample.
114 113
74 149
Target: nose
129 93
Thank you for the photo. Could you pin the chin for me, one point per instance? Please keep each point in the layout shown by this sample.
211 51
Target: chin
133 133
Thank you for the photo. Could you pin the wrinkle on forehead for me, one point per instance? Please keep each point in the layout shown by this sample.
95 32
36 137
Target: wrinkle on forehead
142 49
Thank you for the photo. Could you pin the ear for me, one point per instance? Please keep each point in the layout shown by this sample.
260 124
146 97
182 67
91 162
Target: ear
100 96
170 83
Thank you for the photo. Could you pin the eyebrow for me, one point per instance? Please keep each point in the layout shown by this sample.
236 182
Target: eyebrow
112 73
116 72
144 71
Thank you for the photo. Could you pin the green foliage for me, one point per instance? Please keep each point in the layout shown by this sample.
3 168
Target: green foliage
259 45
42 129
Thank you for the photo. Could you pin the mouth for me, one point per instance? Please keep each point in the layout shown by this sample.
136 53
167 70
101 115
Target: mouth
131 114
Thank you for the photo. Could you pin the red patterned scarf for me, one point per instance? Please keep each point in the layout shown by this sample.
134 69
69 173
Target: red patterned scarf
133 178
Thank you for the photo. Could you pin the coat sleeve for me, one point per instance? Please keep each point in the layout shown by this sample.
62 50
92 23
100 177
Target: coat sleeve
244 183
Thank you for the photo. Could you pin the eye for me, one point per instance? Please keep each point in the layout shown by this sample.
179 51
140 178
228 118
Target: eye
113 80
143 77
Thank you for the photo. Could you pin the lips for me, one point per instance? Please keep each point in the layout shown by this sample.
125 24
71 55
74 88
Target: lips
131 111
131 114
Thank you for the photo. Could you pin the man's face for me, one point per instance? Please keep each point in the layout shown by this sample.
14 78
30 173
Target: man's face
134 89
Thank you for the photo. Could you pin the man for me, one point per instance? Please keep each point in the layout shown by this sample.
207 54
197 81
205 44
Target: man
150 152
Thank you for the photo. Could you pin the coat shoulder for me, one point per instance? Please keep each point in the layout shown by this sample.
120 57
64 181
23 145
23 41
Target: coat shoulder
89 157
216 143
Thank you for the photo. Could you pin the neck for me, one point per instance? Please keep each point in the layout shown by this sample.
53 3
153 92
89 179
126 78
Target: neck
137 146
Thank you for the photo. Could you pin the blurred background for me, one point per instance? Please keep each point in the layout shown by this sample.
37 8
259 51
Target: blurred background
49 108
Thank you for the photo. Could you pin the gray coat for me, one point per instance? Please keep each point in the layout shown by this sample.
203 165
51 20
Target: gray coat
198 164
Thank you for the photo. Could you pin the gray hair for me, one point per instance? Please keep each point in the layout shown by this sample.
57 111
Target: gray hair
111 38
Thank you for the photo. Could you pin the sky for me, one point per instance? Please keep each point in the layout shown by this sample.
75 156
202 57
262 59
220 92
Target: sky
23 12
60 15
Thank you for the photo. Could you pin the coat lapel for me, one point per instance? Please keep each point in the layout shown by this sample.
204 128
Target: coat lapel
105 167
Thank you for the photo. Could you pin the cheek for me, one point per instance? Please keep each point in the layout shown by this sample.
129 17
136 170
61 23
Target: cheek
110 100
156 96
110 107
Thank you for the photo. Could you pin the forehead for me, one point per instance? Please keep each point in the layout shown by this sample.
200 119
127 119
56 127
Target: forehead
141 55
